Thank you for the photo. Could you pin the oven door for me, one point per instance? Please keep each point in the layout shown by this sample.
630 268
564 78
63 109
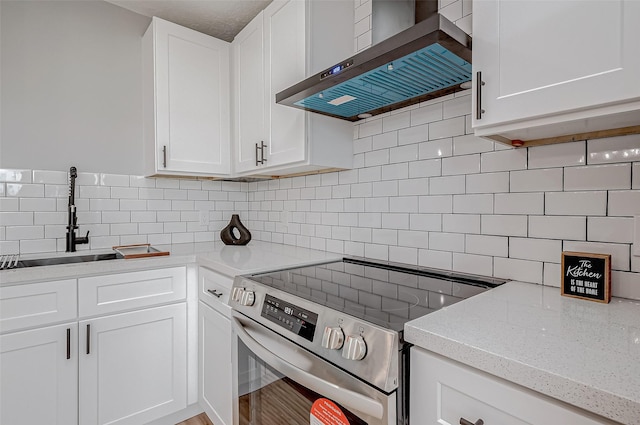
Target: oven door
278 382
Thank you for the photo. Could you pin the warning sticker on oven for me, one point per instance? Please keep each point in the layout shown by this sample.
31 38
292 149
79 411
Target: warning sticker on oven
326 412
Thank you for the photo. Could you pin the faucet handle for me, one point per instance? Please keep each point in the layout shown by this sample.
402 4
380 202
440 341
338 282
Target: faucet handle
83 239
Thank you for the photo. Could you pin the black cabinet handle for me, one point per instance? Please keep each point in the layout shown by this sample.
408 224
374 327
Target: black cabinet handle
214 293
68 343
479 84
88 339
164 156
463 421
262 146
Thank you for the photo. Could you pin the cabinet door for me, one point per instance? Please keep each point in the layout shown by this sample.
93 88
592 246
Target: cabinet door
192 100
443 392
249 96
285 56
542 58
133 366
215 365
39 383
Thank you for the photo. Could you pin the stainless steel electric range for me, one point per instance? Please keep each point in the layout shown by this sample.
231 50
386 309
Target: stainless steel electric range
323 344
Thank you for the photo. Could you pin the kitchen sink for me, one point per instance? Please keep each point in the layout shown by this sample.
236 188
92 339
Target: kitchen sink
67 260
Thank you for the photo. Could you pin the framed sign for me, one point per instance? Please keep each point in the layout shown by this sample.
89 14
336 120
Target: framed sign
586 276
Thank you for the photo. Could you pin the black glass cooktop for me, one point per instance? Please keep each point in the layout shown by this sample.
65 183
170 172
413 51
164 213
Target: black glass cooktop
386 294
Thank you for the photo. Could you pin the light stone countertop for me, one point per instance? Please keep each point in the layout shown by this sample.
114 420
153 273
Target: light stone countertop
229 260
581 352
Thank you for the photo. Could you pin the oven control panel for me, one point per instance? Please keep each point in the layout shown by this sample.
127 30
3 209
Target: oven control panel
291 317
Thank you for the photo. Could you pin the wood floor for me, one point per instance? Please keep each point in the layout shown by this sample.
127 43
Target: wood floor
201 419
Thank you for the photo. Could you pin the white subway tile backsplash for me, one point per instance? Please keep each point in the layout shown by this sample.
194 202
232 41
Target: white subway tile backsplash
395 221
36 246
114 180
625 285
374 158
447 185
50 177
25 190
447 128
435 149
426 113
369 174
16 218
415 239
141 181
403 254
370 128
458 107
461 223
610 229
468 144
487 183
16 233
547 250
598 177
496 246
503 225
469 204
512 159
558 227
102 205
614 149
167 183
425 168
403 153
88 179
413 187
38 204
560 155
624 203
472 263
576 203
426 222
435 259
15 176
551 274
395 171
542 180
436 204
396 122
465 164
620 254
519 203
9 204
412 135
384 140
523 270
452 242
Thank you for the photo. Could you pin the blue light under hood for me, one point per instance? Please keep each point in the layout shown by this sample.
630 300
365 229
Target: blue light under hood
426 70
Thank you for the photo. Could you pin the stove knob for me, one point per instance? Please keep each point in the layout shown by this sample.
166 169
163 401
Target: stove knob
354 348
236 294
333 338
247 298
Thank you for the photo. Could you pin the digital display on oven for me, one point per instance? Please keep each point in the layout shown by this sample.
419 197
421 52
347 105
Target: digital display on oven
297 320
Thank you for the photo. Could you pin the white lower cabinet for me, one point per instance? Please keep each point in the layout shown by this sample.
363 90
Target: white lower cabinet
39 370
444 392
215 365
133 366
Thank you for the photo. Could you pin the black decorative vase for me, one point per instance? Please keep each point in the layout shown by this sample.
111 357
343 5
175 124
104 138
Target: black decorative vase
228 236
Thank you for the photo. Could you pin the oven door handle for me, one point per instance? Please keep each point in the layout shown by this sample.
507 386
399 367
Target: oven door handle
348 398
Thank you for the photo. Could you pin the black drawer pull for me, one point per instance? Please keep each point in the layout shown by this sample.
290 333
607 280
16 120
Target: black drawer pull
68 343
463 421
214 293
88 339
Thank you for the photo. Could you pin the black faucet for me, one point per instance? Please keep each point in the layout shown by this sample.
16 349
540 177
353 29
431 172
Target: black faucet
72 239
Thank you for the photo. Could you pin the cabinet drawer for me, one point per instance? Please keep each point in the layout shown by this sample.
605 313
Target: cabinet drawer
37 304
211 283
443 391
125 291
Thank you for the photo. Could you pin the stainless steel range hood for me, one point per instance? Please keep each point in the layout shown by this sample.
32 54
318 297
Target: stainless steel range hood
428 60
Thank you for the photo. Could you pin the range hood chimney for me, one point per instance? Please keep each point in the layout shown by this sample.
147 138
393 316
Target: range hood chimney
429 59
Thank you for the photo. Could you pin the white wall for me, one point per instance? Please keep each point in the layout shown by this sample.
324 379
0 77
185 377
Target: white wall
71 86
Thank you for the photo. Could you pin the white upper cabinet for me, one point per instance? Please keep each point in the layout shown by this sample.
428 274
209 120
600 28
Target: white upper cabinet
186 102
555 68
282 46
